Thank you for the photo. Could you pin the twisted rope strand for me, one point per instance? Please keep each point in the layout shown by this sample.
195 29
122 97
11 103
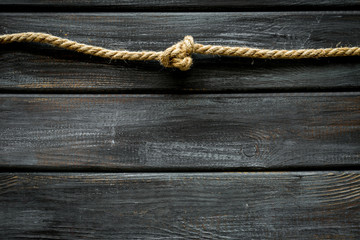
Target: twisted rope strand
276 54
179 54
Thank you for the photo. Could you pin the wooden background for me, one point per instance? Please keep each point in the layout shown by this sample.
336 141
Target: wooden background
235 148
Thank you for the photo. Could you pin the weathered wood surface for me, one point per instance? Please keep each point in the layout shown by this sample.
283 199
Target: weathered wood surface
137 132
297 205
33 67
63 145
176 5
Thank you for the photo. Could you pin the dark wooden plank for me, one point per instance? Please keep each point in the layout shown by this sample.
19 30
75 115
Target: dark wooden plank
135 132
297 205
178 5
38 68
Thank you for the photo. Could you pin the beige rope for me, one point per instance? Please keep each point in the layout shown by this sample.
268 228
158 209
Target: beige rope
179 55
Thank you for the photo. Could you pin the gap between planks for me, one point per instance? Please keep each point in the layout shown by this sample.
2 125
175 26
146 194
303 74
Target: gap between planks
176 6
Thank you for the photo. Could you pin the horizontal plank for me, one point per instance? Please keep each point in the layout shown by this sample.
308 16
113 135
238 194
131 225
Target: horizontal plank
297 205
186 5
33 67
135 132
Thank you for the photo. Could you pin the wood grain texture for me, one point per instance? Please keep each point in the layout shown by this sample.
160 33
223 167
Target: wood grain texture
178 5
298 205
31 67
137 132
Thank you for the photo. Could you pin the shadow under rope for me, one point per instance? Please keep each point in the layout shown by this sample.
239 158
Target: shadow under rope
209 74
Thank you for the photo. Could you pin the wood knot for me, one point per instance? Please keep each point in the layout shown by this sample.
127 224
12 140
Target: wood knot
179 54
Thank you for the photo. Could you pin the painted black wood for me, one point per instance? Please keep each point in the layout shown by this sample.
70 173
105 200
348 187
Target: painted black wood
177 132
297 205
175 5
33 67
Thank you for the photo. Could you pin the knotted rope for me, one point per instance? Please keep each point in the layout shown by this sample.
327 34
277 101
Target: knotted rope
179 55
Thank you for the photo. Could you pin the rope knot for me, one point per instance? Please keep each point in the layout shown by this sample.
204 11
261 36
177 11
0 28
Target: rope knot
179 54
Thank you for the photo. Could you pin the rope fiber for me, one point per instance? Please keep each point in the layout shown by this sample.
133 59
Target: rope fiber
179 54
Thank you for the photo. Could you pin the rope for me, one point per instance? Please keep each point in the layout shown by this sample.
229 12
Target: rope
179 54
